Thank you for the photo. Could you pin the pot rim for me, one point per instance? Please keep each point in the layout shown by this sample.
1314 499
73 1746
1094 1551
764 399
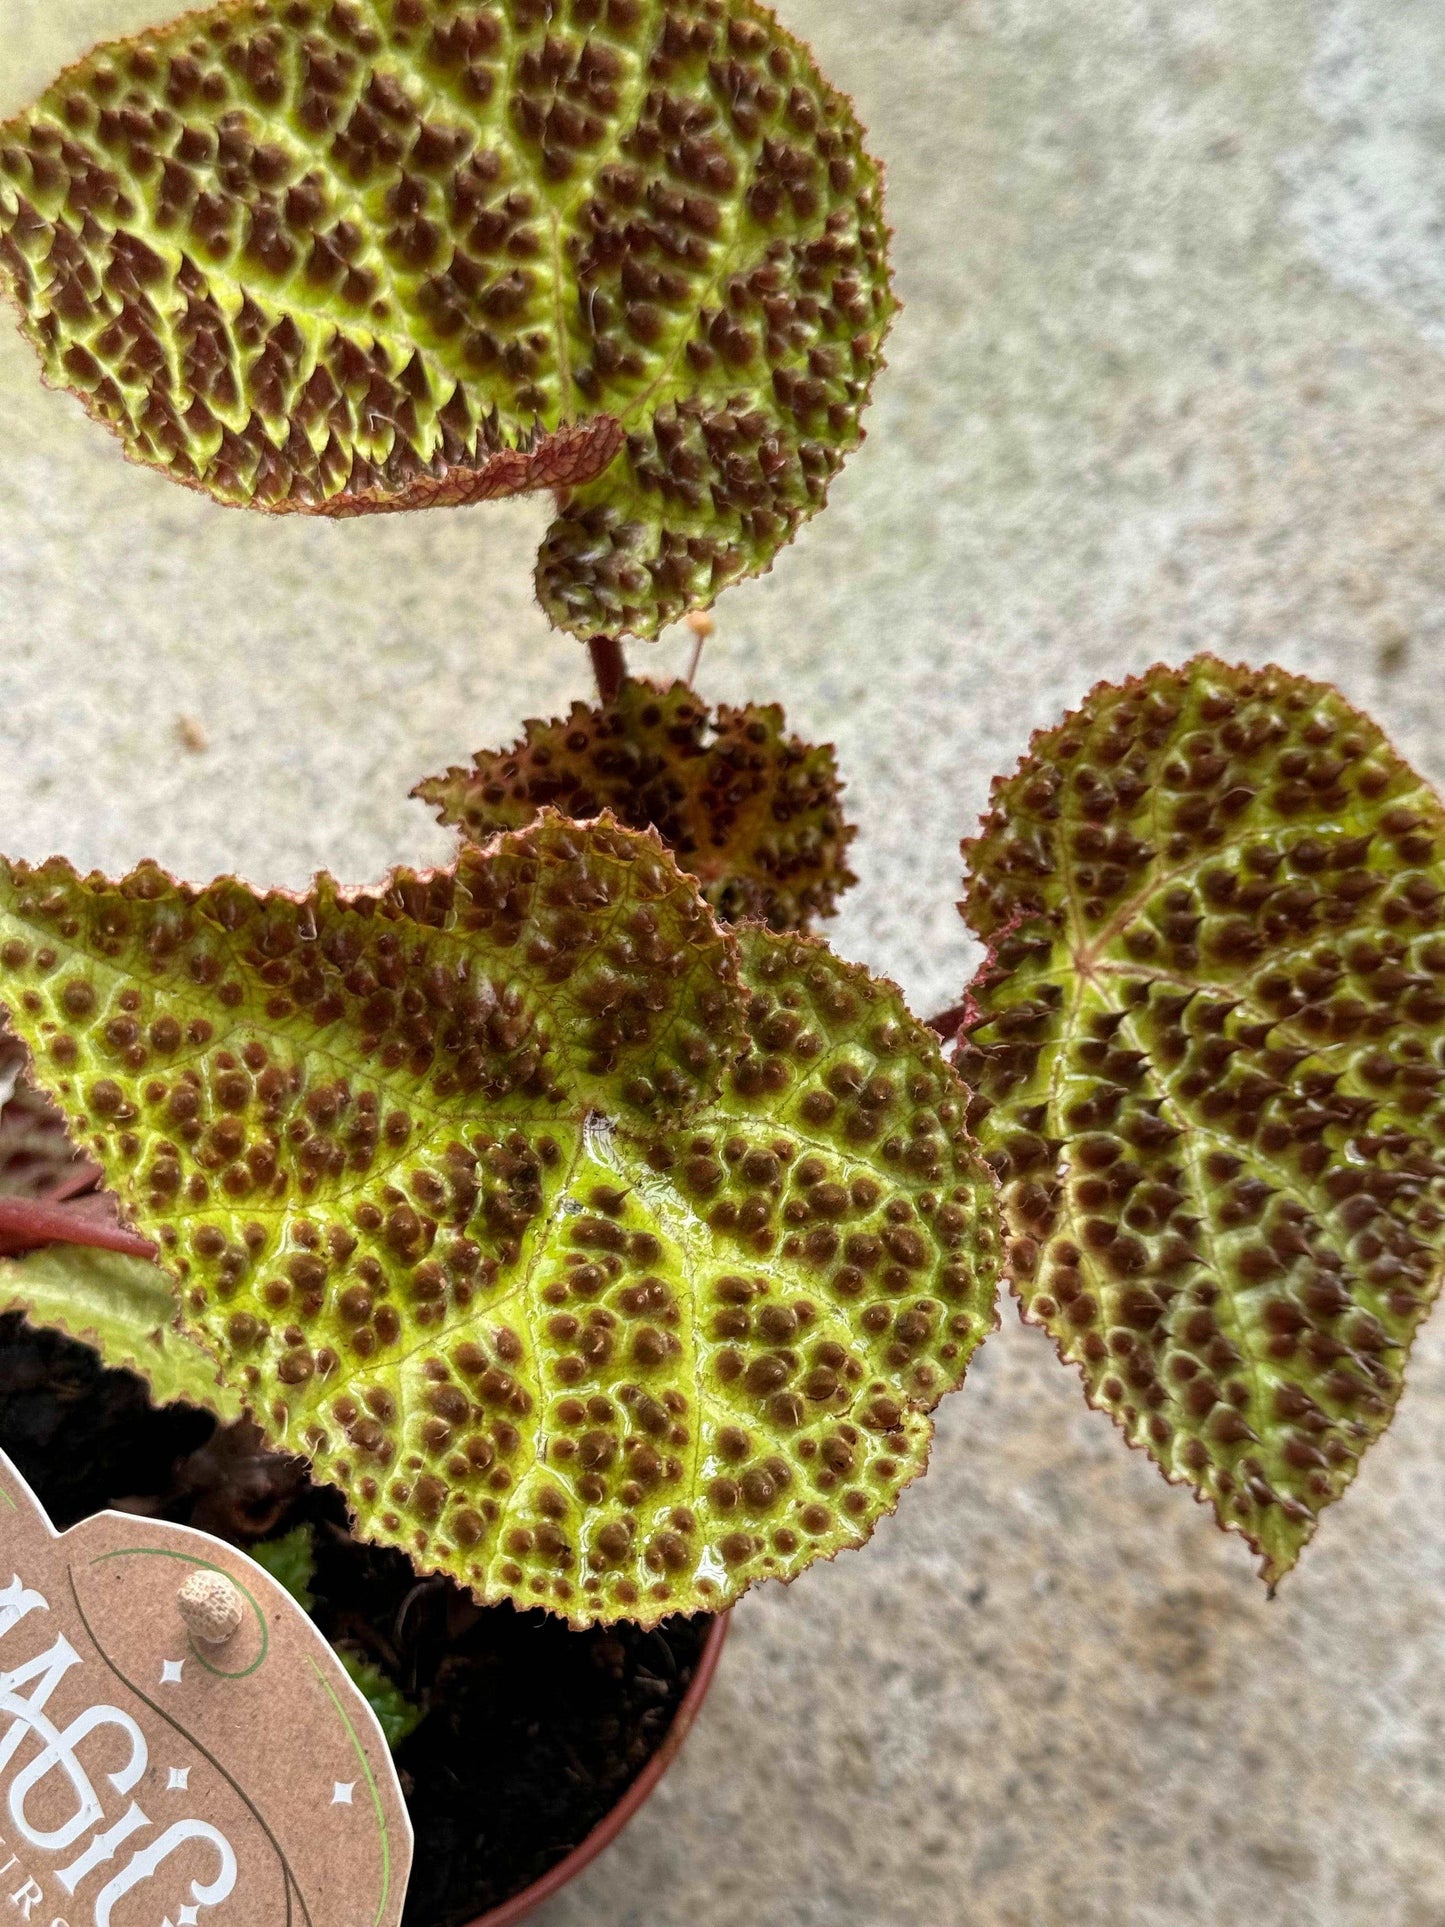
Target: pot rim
611 1824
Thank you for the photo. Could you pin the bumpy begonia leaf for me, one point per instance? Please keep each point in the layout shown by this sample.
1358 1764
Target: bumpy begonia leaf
1209 1049
125 1309
344 256
37 1159
605 1259
752 813
120 1305
48 1191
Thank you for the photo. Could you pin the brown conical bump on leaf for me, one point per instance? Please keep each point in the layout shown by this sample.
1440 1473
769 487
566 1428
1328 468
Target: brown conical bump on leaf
1208 1063
753 814
606 1259
339 256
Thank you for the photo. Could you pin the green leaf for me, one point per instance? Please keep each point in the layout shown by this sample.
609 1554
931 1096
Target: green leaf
291 1562
395 1714
126 1310
345 256
1208 1052
753 814
606 1260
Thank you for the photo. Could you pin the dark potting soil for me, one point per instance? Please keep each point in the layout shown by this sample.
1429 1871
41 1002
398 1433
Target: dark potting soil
532 1732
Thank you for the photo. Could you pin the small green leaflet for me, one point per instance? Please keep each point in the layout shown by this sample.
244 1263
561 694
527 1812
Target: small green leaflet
291 1561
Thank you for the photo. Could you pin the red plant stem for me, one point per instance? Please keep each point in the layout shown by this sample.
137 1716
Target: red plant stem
85 1177
26 1223
609 665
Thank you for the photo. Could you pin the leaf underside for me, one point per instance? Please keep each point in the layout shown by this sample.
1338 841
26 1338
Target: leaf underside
1208 1057
755 815
125 1309
606 1260
389 254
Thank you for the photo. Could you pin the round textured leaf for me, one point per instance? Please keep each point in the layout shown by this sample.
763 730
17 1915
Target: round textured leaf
1208 1051
344 256
606 1260
755 815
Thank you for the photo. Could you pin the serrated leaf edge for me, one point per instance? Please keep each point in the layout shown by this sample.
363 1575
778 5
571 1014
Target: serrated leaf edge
1272 1570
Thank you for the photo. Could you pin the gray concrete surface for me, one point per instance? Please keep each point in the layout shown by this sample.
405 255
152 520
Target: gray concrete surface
1172 375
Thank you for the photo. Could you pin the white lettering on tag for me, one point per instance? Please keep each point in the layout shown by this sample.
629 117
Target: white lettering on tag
28 1715
15 1602
28 1897
146 1864
58 1753
102 1849
151 1776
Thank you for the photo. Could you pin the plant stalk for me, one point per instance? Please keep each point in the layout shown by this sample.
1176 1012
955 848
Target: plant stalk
27 1223
609 665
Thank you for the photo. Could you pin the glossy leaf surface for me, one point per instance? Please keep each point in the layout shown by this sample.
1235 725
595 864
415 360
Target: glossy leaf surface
1209 1050
345 256
606 1260
752 813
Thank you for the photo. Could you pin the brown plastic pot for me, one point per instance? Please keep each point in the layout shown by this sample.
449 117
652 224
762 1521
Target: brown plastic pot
607 1830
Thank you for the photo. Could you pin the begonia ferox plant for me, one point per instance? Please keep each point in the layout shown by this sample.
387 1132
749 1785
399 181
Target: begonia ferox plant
606 1239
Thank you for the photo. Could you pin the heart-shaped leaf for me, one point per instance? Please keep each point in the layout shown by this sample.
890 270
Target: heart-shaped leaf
607 1261
755 815
1209 1048
343 256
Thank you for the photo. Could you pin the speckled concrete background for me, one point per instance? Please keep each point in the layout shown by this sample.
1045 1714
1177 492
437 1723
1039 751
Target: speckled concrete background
1172 375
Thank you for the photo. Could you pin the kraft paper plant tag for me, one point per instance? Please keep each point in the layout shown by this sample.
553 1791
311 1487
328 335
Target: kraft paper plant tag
179 1762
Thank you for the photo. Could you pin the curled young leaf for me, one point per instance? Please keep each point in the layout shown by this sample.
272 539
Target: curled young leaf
345 256
606 1261
1208 1050
125 1309
753 814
